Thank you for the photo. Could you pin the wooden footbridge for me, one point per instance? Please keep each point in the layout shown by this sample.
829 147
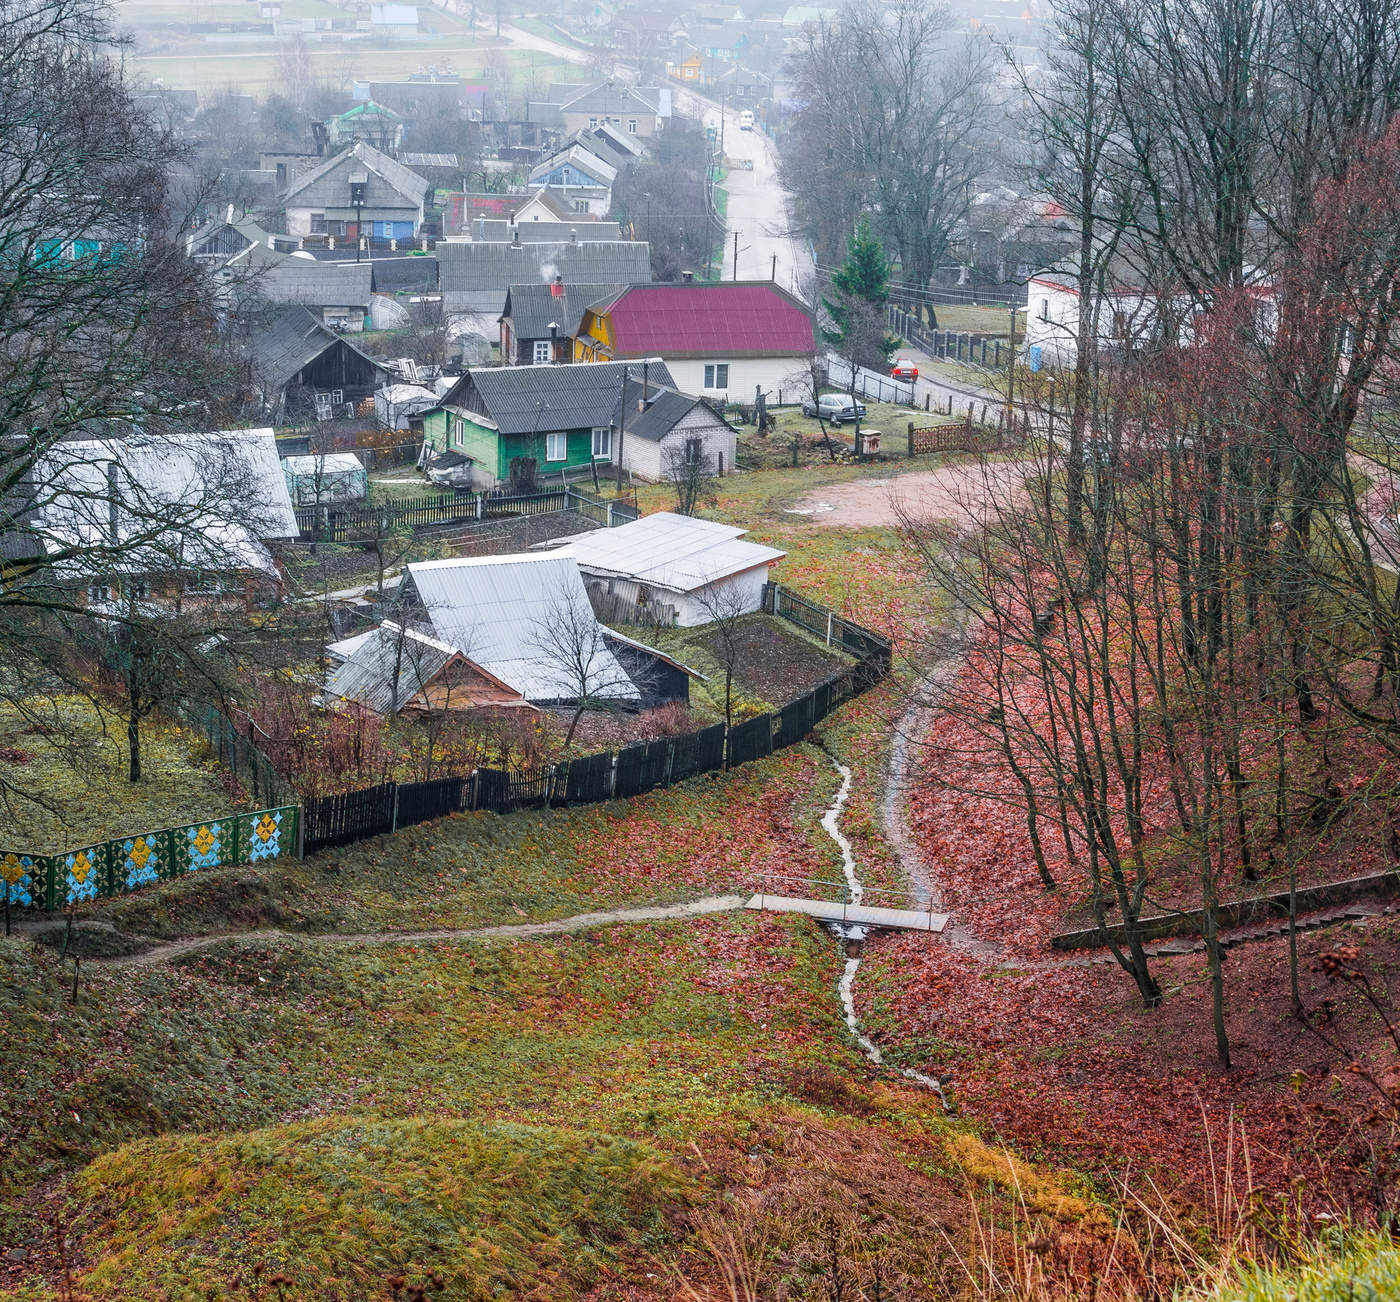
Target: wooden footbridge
845 911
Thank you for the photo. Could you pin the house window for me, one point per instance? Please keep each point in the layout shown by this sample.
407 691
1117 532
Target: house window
592 124
693 449
542 351
318 223
717 375
140 590
1044 309
99 590
459 431
556 446
631 126
204 584
580 205
602 443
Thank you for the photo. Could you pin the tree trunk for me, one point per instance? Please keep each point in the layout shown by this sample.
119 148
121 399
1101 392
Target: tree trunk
133 737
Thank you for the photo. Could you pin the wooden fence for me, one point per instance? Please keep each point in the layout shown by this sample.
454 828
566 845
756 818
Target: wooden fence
30 880
336 522
630 771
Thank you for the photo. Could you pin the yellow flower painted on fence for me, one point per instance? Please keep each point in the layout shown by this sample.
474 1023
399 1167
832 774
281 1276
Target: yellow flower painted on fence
204 840
140 852
11 869
80 867
266 829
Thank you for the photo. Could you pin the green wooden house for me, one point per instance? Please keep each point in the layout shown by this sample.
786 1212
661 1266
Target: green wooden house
563 417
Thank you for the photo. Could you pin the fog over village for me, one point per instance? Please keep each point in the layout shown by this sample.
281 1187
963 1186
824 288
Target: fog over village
733 652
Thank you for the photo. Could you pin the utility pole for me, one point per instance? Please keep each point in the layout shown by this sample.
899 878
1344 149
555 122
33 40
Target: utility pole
1011 371
736 256
773 275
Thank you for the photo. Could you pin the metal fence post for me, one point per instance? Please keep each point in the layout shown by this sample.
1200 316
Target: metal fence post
394 817
301 831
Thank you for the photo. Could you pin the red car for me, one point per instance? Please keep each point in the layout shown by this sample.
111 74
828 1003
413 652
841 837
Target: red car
904 370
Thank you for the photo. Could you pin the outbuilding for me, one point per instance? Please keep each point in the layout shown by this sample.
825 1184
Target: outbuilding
323 477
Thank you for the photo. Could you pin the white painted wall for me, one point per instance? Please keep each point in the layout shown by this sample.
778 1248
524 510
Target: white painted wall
789 374
648 460
1052 321
690 606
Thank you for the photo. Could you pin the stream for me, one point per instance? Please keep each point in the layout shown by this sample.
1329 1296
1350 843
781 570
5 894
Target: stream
853 935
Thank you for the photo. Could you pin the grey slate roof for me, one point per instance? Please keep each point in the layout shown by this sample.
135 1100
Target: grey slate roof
615 99
579 157
291 341
475 277
532 307
391 184
665 410
497 230
578 395
393 274
317 284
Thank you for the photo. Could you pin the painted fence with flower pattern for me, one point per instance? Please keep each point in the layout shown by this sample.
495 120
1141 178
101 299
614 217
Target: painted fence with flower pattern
55 881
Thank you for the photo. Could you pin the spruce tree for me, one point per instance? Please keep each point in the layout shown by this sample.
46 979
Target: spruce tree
860 293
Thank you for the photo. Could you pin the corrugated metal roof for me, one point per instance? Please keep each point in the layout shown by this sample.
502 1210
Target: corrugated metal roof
613 98
671 551
219 493
327 463
520 617
347 646
528 399
415 271
724 320
367 675
585 160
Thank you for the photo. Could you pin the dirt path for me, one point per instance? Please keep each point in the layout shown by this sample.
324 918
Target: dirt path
166 951
959 493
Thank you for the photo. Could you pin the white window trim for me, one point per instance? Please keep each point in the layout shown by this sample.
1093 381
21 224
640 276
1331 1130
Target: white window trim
458 430
602 436
542 351
559 439
712 375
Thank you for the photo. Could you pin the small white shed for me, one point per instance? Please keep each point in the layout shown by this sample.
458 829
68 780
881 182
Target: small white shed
395 403
322 477
695 567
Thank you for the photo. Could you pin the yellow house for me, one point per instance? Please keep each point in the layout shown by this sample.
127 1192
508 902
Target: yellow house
689 70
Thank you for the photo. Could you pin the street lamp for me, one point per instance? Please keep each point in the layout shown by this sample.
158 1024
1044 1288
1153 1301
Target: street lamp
359 183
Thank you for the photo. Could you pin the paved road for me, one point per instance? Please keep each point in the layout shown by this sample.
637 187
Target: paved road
759 207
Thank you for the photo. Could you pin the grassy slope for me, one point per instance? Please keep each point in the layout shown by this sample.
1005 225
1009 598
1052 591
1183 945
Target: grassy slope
91 799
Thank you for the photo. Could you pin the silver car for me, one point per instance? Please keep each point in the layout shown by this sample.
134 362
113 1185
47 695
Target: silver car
835 407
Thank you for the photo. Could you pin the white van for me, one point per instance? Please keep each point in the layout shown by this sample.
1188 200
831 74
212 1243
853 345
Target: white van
746 120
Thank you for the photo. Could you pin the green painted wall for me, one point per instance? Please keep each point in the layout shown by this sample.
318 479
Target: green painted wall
494 451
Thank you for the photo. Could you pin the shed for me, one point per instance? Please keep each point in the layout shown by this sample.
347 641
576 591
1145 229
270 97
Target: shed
394 404
325 477
694 566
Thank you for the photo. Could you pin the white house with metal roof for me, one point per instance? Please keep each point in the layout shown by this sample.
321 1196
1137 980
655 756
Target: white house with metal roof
696 567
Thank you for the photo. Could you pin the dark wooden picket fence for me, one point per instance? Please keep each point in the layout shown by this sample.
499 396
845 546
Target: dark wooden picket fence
359 522
616 775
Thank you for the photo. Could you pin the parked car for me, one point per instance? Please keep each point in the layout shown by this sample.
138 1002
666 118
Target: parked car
835 407
904 370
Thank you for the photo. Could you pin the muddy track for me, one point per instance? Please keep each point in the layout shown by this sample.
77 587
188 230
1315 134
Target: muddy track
168 951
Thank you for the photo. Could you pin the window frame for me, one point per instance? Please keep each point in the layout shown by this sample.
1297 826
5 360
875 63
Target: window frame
605 431
1044 311
550 444
543 351
713 377
631 126
318 224
694 449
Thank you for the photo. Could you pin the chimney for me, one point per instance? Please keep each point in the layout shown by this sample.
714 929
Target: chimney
514 238
228 216
556 287
113 491
687 277
573 235
645 400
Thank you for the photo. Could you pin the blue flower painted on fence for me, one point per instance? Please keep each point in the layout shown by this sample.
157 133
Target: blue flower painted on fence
80 869
140 861
22 880
266 841
205 845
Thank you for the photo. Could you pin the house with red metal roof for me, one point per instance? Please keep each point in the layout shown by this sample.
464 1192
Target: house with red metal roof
722 340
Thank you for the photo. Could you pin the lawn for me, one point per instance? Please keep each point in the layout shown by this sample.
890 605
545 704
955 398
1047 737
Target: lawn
520 1118
82 785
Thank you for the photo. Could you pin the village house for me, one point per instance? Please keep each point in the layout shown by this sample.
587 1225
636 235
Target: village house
540 322
373 124
579 180
174 520
727 339
673 569
359 191
395 669
635 110
302 369
570 420
337 293
526 621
